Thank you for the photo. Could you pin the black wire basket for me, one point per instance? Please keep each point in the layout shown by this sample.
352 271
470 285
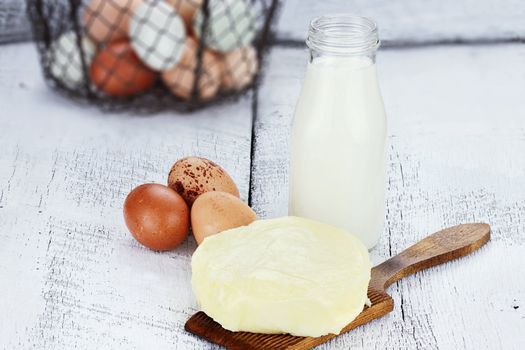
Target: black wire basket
147 55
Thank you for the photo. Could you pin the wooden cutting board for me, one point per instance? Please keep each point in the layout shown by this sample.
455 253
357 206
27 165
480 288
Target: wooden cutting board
438 248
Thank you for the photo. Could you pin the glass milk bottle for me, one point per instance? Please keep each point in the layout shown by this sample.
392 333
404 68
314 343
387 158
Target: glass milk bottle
337 164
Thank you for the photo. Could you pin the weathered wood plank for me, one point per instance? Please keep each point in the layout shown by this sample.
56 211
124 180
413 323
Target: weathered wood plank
457 136
409 21
14 25
415 21
71 276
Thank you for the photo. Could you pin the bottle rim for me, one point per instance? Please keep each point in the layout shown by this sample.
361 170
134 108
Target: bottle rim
343 34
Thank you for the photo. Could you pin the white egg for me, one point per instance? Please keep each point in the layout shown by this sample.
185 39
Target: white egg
157 34
64 59
231 24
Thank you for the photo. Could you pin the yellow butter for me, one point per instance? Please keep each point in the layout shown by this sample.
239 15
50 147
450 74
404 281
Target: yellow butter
286 275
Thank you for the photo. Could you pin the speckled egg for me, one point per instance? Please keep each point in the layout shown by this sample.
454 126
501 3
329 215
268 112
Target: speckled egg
193 176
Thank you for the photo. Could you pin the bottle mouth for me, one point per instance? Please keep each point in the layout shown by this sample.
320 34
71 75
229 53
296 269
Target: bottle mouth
343 34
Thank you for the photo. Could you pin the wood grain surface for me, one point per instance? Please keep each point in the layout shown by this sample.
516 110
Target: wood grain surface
71 277
401 22
14 25
415 21
456 119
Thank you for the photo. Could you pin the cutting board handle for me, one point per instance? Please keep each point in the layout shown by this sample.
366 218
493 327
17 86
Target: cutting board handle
438 248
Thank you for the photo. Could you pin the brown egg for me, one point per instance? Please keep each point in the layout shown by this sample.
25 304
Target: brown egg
117 71
107 20
192 176
156 216
240 67
186 9
180 79
214 212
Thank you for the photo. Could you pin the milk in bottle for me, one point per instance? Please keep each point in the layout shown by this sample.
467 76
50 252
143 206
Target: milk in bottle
337 165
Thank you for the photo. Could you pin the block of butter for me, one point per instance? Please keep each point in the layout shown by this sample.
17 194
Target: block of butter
286 275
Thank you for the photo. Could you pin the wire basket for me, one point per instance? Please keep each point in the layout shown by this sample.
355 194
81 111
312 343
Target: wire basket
148 55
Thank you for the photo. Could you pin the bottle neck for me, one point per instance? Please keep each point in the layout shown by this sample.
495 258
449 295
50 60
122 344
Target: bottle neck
343 36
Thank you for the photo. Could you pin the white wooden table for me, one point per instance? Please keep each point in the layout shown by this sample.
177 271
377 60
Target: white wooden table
453 80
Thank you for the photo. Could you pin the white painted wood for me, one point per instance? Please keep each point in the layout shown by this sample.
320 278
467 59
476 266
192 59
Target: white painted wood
457 139
415 20
13 22
71 276
400 21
